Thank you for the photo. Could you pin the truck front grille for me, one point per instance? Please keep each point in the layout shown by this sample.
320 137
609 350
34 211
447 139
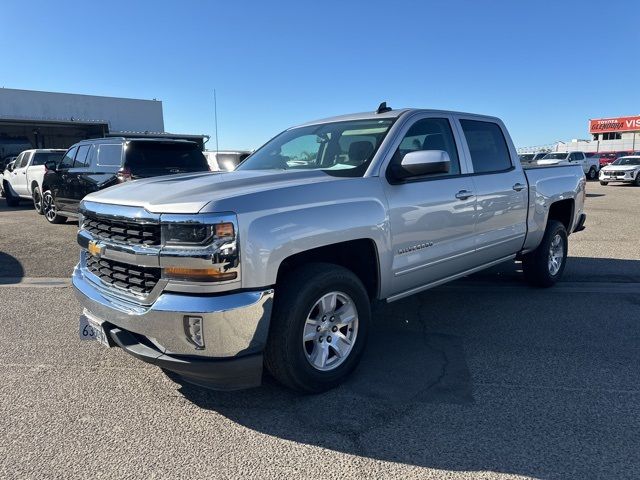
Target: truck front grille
123 232
138 280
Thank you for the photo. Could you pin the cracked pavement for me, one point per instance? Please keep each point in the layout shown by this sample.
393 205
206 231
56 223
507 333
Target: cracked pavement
483 378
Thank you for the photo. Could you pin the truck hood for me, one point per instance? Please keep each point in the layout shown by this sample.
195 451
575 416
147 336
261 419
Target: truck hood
551 161
189 193
620 168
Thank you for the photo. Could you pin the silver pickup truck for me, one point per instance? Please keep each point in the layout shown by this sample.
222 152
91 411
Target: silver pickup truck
213 275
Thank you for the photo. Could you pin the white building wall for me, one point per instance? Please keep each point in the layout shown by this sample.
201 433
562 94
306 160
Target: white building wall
121 114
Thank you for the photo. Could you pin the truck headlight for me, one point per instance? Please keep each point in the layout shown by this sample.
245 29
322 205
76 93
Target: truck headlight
196 234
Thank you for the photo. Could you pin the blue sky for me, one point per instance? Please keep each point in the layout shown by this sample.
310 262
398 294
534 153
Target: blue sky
544 67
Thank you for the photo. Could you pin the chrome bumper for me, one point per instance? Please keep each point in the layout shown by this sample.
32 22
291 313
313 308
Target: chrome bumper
233 325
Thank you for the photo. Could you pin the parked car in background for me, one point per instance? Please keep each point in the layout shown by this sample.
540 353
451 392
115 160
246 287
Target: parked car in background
624 169
24 182
531 158
279 260
590 165
225 161
92 165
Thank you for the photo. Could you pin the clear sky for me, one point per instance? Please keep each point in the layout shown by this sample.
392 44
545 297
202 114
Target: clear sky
544 67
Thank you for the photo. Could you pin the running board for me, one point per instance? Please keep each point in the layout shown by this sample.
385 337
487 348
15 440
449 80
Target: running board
422 288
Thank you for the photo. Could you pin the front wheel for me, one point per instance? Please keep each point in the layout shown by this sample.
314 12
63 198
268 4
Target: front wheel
50 210
603 183
319 327
544 266
592 174
12 200
637 180
37 201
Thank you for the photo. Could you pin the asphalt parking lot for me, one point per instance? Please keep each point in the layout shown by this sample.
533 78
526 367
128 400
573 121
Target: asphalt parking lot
483 378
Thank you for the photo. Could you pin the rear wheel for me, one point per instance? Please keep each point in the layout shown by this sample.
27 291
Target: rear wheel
12 200
544 266
49 209
37 200
318 329
592 174
603 183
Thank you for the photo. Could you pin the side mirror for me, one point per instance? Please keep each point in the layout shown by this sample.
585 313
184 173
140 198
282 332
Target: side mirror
422 162
50 165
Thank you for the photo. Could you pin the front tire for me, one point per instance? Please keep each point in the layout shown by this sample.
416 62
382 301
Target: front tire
49 209
592 174
37 201
604 183
544 266
12 201
319 327
637 180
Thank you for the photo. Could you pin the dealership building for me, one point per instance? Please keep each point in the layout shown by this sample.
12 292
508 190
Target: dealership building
33 119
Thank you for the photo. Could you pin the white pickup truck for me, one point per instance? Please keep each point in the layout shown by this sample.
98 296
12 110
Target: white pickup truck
212 275
590 165
24 180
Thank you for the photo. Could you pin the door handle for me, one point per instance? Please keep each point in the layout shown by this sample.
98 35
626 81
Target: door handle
519 186
464 194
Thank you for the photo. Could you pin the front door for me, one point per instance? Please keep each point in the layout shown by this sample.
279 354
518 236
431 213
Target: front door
61 187
431 217
19 174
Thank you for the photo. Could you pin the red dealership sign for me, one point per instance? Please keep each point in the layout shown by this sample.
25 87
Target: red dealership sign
620 124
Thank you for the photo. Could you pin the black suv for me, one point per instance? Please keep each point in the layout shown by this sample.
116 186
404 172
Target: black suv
92 165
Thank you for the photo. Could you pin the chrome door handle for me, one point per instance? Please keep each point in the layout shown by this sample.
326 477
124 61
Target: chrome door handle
519 186
464 194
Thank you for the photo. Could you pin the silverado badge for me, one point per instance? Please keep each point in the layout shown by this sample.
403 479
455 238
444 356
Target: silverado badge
95 249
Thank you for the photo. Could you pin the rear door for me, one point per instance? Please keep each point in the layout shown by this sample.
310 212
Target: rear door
431 217
500 186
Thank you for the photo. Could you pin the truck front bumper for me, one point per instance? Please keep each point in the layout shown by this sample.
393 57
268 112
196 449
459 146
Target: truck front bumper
233 331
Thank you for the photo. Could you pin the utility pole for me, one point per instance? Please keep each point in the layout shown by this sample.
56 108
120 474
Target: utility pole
215 113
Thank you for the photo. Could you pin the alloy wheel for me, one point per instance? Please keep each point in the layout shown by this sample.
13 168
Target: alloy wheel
49 207
556 254
330 331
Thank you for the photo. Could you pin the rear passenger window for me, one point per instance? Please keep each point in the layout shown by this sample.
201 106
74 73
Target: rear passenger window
430 134
487 146
109 155
81 157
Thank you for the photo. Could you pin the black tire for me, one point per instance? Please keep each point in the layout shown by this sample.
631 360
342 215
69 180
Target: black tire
37 201
50 210
12 201
592 174
637 180
295 298
603 183
536 265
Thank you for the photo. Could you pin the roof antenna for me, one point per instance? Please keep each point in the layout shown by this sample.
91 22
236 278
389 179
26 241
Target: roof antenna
215 112
383 108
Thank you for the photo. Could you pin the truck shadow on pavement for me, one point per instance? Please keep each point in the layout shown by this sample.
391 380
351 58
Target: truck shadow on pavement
11 270
414 401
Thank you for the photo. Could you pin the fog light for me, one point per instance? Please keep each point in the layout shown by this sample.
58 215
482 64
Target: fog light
193 330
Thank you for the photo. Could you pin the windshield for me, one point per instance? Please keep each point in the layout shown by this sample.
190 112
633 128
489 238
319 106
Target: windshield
339 148
555 156
627 161
41 158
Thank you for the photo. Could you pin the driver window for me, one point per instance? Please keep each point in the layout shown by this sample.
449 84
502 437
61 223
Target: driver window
302 151
430 134
67 160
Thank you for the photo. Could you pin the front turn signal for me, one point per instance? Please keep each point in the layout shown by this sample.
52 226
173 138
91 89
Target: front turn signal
199 274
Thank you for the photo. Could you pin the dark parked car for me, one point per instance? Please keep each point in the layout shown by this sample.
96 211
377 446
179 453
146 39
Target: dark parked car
93 165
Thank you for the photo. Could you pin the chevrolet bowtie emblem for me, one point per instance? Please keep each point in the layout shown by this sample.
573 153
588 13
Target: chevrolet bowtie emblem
95 249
